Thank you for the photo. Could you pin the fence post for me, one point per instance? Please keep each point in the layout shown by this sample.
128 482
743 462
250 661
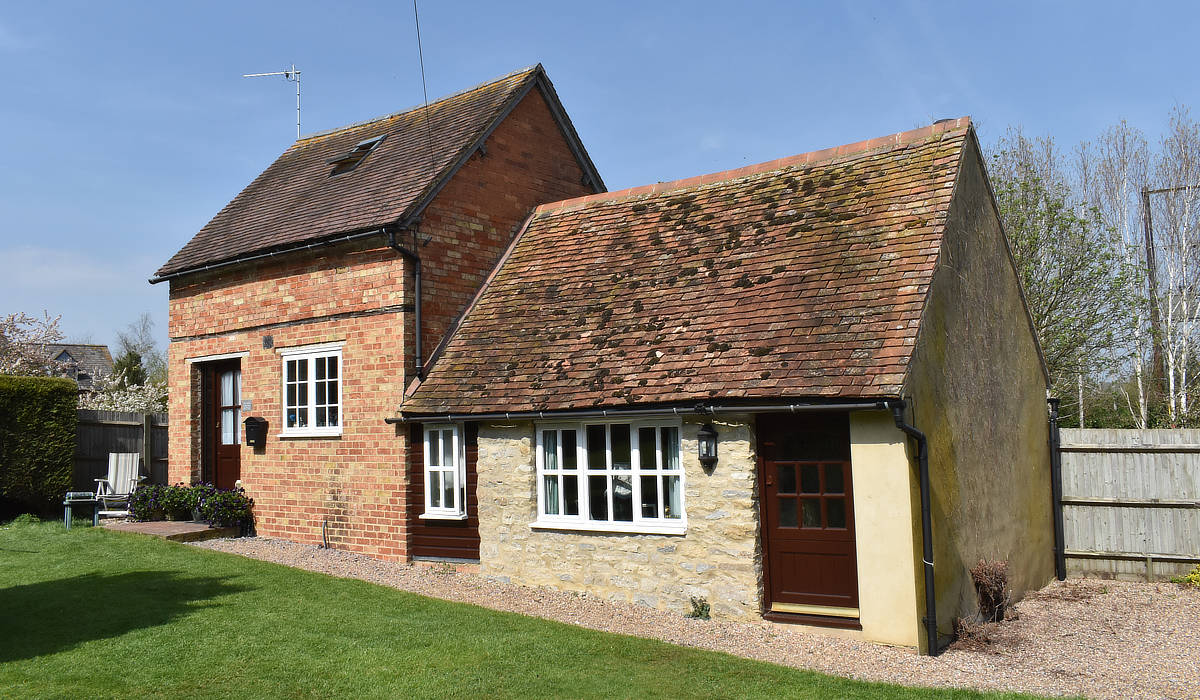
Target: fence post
147 443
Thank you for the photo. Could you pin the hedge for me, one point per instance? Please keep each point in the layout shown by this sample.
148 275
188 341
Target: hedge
38 425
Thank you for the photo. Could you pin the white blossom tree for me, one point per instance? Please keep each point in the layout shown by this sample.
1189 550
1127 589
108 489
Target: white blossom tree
23 340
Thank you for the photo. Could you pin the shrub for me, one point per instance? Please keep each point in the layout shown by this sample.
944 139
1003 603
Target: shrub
991 588
37 442
145 503
217 507
1192 578
226 508
700 608
178 501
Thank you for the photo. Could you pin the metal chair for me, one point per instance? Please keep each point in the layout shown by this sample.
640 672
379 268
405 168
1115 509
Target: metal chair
113 493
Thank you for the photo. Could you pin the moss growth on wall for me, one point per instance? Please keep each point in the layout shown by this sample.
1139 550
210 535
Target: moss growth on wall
978 391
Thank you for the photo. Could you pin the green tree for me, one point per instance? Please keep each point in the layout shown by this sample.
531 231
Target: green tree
128 369
1069 262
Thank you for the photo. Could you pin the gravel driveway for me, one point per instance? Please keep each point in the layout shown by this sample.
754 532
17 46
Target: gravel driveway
1103 639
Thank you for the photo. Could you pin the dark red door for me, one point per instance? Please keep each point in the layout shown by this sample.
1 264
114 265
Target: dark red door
221 429
808 514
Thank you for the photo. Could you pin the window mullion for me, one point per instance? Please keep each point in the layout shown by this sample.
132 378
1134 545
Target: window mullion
659 483
609 472
635 469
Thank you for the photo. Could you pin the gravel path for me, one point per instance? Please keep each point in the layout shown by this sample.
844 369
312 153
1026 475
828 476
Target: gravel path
1103 639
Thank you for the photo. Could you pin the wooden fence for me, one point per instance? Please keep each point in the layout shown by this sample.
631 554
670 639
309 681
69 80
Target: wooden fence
1131 502
102 432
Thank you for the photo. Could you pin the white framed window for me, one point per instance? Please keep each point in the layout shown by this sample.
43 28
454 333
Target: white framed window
611 477
445 473
312 391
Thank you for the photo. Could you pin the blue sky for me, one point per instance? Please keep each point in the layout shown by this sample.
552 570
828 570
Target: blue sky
125 126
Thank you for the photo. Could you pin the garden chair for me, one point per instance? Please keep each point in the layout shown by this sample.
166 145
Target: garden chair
113 493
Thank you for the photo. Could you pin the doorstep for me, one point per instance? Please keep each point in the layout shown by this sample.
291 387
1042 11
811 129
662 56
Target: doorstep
174 530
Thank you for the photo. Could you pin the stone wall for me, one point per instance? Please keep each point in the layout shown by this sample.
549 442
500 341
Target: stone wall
717 559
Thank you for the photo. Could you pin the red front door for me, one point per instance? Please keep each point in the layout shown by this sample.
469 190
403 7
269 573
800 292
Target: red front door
810 567
221 427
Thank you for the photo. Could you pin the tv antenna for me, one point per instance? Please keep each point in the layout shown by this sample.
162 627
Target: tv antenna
292 76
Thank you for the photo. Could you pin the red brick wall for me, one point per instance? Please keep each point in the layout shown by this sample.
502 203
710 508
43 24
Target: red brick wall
356 483
475 216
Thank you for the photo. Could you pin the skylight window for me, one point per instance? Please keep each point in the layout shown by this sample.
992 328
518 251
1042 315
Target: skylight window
346 163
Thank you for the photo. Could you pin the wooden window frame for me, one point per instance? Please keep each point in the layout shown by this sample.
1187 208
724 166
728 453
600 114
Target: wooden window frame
308 354
458 470
583 522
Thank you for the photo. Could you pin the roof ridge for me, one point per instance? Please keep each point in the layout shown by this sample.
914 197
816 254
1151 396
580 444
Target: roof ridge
328 132
938 128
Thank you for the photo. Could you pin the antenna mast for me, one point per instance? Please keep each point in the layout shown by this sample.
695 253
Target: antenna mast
292 76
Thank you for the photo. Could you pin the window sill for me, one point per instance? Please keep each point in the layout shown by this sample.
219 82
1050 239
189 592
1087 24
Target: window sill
442 516
287 435
615 528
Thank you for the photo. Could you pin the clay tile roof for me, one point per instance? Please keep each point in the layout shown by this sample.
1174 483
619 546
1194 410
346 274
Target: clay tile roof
295 200
804 277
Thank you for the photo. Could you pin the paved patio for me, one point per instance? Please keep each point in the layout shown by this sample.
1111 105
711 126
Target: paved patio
174 530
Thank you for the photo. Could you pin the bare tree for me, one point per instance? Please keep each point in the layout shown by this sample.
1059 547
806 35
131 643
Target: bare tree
1112 173
1175 207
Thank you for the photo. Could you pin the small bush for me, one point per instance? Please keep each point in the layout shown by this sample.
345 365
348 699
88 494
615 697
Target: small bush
227 508
1192 578
700 609
217 507
991 588
145 503
178 501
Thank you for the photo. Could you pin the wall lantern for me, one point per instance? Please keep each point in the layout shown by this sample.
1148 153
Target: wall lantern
706 439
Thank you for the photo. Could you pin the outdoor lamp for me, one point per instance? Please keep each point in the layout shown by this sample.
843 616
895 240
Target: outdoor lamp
706 439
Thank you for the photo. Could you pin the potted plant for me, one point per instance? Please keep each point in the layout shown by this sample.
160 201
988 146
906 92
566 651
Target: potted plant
178 501
145 503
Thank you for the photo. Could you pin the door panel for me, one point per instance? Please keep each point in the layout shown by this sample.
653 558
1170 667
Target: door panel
221 428
808 514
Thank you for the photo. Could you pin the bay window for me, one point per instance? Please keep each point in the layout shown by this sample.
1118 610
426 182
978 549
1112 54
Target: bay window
616 477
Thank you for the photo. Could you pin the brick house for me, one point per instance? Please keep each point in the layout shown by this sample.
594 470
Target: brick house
298 302
788 389
807 390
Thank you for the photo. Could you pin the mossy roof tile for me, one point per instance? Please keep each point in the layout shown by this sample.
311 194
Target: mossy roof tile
801 277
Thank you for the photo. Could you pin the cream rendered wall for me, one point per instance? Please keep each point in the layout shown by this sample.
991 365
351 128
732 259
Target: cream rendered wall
887 515
978 391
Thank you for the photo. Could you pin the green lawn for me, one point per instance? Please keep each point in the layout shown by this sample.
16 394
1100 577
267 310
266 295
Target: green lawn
93 613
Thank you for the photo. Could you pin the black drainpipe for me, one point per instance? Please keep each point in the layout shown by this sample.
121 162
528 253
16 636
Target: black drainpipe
1060 554
930 620
414 257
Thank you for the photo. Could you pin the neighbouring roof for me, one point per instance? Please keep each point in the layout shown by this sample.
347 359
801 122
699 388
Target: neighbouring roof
296 200
83 363
803 277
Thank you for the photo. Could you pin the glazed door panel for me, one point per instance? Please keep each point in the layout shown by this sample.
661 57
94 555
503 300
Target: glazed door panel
807 511
221 429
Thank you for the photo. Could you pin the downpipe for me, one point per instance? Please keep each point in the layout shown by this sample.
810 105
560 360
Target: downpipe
415 258
930 619
1060 554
